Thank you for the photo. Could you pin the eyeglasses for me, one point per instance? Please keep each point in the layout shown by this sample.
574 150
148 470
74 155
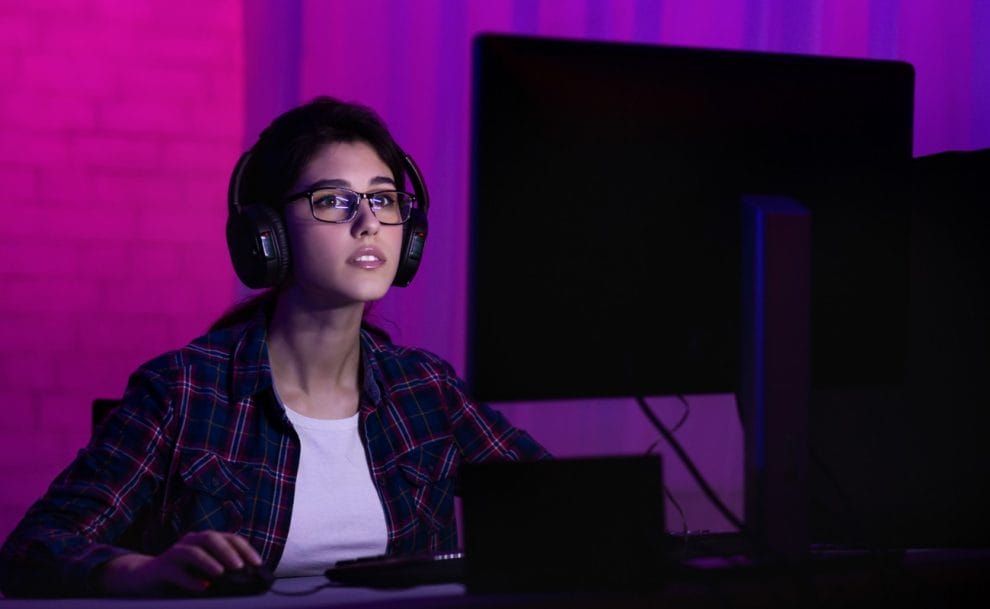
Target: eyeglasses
340 205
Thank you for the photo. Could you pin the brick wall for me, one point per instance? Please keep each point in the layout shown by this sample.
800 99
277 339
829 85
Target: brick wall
119 124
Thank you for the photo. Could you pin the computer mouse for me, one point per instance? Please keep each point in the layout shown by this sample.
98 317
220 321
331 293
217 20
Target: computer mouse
241 582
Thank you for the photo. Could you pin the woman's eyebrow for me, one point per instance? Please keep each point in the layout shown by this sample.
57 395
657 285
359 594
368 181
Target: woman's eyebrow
382 180
342 183
328 183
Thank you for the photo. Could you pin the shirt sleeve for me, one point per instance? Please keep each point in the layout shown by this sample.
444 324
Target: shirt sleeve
68 534
485 434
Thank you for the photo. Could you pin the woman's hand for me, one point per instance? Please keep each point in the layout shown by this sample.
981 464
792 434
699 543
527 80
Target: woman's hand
188 565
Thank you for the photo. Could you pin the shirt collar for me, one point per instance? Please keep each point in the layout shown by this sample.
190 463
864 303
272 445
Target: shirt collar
370 370
250 369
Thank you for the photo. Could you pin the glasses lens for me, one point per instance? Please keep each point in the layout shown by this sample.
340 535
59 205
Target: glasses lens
391 207
334 204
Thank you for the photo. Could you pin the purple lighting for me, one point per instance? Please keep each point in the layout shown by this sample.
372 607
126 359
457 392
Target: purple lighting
120 122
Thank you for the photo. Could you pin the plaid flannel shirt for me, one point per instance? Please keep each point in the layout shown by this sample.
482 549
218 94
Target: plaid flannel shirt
201 442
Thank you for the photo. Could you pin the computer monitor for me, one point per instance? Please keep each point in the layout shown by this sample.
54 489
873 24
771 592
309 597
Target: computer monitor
606 182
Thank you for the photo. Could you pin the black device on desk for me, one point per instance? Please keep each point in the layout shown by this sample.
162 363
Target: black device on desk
246 581
593 523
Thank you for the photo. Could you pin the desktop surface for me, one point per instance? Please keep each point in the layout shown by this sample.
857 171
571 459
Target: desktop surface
916 578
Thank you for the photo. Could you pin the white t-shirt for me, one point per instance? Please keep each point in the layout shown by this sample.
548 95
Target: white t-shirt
336 513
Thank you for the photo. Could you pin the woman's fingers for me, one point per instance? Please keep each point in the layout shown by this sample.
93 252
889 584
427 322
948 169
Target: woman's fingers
220 547
189 564
248 553
194 556
230 549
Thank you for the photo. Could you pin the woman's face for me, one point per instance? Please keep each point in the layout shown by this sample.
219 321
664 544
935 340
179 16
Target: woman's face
342 264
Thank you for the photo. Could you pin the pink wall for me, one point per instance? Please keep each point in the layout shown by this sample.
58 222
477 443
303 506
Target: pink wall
120 121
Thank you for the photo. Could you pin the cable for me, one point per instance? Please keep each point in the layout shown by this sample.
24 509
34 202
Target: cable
684 416
306 592
721 507
677 506
666 490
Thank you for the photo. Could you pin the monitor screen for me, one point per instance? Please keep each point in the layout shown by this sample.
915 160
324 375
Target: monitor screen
605 186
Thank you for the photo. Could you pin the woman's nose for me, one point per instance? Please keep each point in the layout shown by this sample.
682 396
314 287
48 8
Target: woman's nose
365 222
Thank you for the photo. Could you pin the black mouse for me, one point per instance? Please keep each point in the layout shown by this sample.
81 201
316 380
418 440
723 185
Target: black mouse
241 582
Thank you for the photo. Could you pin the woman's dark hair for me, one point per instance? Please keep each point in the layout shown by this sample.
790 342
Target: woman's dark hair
284 149
286 146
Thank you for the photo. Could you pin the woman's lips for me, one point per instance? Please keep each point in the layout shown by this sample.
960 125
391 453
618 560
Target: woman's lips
367 258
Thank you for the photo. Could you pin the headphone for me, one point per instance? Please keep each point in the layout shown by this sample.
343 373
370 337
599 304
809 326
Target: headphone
259 245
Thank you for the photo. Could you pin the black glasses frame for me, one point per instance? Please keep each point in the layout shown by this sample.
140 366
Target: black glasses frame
352 212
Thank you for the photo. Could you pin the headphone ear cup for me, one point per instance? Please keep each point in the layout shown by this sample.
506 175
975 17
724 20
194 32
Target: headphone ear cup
259 246
413 242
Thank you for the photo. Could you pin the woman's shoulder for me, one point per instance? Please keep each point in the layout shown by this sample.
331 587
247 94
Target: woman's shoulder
217 349
395 359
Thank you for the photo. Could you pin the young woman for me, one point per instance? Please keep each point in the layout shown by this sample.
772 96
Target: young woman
293 434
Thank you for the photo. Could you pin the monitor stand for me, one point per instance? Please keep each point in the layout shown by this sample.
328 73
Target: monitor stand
775 366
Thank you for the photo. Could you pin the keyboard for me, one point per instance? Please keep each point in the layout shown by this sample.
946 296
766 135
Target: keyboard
399 571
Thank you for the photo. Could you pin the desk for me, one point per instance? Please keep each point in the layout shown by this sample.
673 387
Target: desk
932 578
291 597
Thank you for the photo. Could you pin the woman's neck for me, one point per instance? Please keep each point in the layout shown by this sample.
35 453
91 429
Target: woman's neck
315 355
